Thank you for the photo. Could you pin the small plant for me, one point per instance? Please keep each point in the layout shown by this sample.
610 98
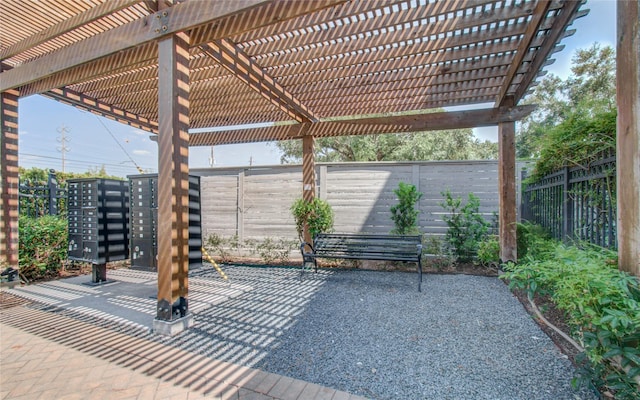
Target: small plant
489 252
316 215
42 247
272 251
404 214
221 246
467 228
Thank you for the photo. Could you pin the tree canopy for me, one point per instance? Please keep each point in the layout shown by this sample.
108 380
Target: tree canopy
40 176
457 144
576 118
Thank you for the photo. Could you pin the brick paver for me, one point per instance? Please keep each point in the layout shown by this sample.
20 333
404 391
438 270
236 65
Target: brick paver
48 356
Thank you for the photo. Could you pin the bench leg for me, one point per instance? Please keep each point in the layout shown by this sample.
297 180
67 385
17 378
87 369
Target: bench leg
420 276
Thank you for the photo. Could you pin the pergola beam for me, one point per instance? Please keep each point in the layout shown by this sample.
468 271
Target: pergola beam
367 126
179 18
196 15
67 25
103 109
555 35
537 19
230 56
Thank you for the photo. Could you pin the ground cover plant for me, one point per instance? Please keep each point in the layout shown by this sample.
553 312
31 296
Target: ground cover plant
601 307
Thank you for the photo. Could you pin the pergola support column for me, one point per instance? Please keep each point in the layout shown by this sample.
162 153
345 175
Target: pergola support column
507 191
308 175
9 178
628 136
173 185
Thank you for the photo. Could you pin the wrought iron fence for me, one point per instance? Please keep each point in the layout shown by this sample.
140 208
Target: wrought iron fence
40 200
576 203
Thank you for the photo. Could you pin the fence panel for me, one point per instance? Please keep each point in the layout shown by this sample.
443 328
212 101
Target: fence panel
576 203
254 202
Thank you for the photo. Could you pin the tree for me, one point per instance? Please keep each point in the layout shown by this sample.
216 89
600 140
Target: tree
456 144
588 93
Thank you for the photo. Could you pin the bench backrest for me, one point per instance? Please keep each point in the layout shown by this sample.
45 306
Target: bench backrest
368 247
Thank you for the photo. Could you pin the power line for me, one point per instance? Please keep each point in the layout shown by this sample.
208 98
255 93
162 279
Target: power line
140 170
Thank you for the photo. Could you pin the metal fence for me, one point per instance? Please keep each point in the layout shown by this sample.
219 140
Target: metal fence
40 200
576 203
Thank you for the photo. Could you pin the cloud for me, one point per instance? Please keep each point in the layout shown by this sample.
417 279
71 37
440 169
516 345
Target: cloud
141 152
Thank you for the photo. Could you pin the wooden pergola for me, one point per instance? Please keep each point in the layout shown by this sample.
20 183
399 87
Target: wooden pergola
310 68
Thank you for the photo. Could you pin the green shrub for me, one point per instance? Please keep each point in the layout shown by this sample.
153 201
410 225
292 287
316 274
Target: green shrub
467 228
222 247
272 250
602 306
404 214
316 215
489 251
42 246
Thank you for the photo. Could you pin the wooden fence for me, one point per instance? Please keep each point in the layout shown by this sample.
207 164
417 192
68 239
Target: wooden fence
254 202
576 203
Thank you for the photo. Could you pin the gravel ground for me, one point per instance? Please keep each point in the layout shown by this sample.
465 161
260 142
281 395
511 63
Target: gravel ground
373 334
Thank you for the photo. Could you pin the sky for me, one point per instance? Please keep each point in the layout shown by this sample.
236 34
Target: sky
50 130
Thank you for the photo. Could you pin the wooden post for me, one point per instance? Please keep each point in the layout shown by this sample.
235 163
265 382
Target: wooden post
240 208
173 177
308 175
507 191
628 136
9 178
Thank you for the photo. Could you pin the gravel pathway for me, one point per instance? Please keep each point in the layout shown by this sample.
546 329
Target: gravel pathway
371 333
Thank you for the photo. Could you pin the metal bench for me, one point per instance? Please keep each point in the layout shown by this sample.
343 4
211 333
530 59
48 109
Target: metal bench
406 248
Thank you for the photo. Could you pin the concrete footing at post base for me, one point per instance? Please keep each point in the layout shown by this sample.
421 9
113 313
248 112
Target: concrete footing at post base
174 327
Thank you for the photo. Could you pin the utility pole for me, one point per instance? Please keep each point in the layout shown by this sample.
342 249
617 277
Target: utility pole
212 160
63 140
251 161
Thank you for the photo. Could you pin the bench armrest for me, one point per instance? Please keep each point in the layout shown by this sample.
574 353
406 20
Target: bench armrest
305 244
419 250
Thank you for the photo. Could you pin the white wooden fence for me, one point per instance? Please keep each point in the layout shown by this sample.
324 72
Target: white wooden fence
254 202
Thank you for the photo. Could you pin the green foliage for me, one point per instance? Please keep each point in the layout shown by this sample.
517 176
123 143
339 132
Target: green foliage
533 242
585 101
404 214
577 141
467 228
458 144
316 215
272 250
602 306
489 251
42 246
220 246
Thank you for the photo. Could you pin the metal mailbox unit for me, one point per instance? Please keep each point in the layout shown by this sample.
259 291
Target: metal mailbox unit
144 222
98 223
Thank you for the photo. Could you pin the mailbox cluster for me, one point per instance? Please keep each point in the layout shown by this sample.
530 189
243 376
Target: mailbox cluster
111 220
144 222
98 222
